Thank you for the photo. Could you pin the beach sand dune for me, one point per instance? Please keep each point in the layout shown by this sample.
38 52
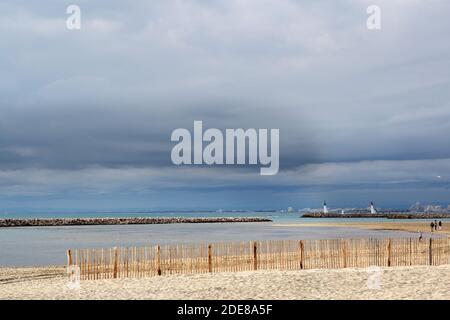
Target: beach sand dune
421 282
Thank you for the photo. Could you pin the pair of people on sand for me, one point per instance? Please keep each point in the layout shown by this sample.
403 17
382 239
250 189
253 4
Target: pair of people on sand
436 225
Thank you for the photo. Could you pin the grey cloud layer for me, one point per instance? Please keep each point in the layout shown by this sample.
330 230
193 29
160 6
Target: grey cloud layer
109 95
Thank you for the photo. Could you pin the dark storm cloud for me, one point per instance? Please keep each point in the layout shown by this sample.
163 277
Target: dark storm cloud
109 95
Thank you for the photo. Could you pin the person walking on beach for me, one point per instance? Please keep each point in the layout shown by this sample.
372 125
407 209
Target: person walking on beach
420 235
432 226
440 224
435 225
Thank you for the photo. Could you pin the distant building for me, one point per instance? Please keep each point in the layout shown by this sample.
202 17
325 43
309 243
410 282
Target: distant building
433 208
325 209
417 207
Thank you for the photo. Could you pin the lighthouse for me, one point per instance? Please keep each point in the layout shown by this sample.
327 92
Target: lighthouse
325 209
372 208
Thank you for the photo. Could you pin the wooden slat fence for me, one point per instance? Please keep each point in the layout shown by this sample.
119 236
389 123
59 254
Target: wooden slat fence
257 255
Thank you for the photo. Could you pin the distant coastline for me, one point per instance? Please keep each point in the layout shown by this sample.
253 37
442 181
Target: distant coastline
9 223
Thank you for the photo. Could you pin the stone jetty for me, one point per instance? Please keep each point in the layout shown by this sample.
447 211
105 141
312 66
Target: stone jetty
388 215
7 223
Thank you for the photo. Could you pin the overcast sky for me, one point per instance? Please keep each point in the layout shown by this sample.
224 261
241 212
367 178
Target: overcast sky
86 115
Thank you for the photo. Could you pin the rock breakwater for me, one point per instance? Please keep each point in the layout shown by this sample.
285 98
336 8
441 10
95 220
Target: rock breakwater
7 223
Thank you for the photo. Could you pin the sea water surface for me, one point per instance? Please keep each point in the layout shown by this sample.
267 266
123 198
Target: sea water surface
35 246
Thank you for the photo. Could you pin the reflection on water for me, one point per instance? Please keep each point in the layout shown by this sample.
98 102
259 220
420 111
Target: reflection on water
47 245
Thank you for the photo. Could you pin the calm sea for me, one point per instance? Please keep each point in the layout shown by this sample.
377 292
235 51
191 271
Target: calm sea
33 246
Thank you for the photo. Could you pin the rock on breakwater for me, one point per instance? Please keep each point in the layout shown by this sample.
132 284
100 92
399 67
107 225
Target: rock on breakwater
388 215
7 223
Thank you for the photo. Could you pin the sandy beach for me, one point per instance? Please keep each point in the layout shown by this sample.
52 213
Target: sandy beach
396 283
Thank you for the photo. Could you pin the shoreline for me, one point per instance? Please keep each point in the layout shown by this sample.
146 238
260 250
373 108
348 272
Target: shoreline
48 245
406 226
53 222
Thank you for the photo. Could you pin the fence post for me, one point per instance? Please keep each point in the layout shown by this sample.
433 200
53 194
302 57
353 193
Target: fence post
116 256
255 256
344 252
69 258
430 250
389 252
302 252
410 251
209 258
158 260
